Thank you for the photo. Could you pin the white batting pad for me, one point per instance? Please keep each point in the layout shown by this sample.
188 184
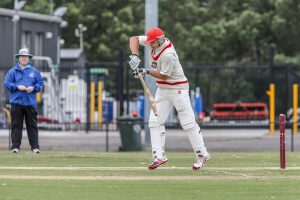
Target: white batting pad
196 139
156 142
163 139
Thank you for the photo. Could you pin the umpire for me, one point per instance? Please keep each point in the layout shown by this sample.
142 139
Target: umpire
23 81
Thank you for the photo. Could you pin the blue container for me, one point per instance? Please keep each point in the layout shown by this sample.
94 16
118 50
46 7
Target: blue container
198 104
141 105
107 110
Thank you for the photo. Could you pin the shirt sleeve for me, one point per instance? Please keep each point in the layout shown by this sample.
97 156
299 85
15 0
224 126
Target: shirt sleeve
168 62
9 81
38 86
142 41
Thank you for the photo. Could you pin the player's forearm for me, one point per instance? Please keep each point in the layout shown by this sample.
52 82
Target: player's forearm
157 74
134 45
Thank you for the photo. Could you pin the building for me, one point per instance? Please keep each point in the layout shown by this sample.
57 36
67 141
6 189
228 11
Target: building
72 57
64 95
39 33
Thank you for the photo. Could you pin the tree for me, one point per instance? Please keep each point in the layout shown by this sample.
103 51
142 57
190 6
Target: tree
205 31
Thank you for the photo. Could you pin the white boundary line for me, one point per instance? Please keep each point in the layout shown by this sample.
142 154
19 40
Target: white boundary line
149 178
229 173
146 168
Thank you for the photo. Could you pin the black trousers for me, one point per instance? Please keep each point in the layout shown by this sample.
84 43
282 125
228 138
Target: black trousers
18 113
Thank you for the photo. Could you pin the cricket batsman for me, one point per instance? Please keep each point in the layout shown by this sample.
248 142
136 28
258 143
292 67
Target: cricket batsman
173 90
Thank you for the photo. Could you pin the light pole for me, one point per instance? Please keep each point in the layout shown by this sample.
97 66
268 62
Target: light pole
51 7
59 12
151 20
16 17
79 33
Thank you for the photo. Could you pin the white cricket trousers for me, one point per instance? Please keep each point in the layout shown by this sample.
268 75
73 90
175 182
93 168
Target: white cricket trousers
165 99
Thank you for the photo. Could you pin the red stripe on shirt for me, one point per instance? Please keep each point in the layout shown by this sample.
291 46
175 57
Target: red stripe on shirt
166 47
168 83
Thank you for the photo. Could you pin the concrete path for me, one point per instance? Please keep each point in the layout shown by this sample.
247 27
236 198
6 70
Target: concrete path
217 140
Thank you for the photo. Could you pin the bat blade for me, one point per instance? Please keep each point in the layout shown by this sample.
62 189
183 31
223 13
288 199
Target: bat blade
149 95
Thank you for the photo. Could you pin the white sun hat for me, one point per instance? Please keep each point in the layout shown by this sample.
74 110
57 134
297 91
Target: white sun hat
23 52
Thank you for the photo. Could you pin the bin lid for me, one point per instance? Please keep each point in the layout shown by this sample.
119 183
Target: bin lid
129 118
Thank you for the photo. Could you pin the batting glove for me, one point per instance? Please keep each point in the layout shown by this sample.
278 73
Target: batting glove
134 61
143 71
135 74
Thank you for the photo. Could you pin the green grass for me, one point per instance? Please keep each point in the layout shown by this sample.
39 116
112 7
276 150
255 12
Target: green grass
89 176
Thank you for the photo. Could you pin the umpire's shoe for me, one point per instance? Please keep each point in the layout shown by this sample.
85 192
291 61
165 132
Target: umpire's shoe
15 150
35 151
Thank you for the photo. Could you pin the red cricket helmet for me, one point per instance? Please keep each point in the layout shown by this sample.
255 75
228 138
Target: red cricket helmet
154 34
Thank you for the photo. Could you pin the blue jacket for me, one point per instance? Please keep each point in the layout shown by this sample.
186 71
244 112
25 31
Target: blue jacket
29 76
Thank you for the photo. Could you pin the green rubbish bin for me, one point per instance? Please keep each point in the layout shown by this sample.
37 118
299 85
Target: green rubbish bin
130 130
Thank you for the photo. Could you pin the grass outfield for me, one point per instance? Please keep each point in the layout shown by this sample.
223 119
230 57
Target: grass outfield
89 176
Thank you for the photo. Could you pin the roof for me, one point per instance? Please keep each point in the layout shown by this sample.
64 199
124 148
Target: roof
29 15
70 53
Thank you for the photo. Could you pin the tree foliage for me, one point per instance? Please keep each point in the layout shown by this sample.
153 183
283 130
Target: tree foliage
205 31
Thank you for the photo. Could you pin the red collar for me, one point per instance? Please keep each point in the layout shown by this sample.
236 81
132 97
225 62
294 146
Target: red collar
166 47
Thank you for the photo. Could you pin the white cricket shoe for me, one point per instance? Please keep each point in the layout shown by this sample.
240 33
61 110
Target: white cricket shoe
157 162
35 150
15 150
201 160
165 159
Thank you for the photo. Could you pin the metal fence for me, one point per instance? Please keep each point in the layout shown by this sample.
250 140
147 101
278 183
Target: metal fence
66 98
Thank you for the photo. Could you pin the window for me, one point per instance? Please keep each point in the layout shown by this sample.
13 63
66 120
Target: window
26 40
38 44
